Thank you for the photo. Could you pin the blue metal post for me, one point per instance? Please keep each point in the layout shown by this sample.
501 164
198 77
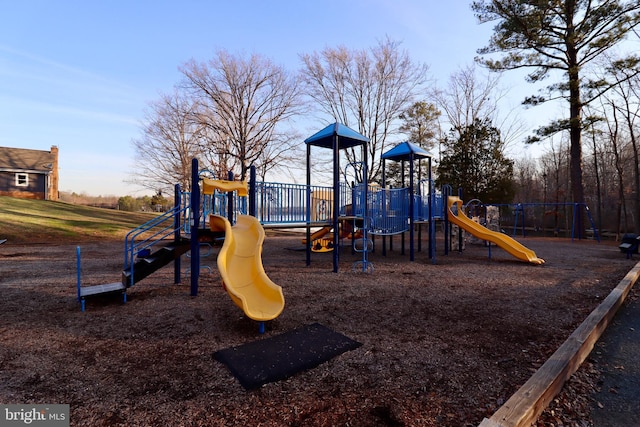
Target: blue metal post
460 228
411 206
195 224
308 207
445 206
365 216
78 279
230 200
596 235
431 216
383 203
176 230
336 202
402 206
252 191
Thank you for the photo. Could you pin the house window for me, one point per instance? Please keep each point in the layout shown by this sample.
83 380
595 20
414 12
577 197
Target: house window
22 180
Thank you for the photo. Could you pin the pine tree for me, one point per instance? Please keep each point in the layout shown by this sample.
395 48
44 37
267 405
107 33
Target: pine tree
475 163
564 35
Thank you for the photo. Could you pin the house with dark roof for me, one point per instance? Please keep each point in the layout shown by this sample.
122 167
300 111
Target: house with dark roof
29 174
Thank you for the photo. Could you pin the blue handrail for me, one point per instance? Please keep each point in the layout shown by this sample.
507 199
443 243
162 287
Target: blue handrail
150 234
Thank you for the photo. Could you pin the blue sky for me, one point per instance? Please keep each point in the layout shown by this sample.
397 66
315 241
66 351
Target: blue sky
80 74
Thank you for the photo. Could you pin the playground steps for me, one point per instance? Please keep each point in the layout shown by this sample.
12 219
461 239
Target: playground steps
145 266
86 291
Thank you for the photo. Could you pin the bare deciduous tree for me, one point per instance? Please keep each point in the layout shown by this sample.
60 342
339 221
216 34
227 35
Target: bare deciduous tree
555 174
170 139
614 126
626 90
243 103
365 90
470 97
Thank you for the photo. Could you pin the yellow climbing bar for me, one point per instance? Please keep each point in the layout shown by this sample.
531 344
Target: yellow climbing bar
210 185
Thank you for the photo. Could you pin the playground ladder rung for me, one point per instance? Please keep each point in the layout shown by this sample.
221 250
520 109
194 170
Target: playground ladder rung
101 289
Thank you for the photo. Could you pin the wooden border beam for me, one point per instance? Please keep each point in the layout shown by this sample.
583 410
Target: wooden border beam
525 406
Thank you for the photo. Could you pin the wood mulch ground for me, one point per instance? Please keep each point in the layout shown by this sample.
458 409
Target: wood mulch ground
442 345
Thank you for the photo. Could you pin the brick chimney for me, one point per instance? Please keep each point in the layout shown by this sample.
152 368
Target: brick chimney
54 177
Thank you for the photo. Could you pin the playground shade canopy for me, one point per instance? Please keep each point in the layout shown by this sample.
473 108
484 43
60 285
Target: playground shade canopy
347 137
406 151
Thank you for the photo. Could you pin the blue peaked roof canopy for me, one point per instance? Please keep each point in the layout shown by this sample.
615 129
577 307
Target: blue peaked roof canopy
405 151
347 137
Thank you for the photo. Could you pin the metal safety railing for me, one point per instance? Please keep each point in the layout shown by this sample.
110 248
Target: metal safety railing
278 203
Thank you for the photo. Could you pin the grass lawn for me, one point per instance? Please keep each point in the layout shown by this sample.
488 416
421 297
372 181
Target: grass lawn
42 221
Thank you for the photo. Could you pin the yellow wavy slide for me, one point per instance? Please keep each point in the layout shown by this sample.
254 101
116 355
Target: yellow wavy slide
510 245
240 265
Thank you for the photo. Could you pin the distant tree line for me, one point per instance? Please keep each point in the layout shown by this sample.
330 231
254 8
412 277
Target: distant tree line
155 203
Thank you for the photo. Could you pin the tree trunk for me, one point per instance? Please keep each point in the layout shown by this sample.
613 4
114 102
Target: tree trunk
575 117
636 169
621 209
597 177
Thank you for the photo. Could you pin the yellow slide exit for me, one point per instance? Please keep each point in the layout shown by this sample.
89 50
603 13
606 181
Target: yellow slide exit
240 265
510 245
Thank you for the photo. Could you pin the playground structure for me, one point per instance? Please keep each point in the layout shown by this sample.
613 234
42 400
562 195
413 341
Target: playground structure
234 214
186 228
456 215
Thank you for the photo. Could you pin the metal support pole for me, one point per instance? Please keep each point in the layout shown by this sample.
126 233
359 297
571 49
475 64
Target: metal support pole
195 224
177 209
252 191
230 200
336 202
308 202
